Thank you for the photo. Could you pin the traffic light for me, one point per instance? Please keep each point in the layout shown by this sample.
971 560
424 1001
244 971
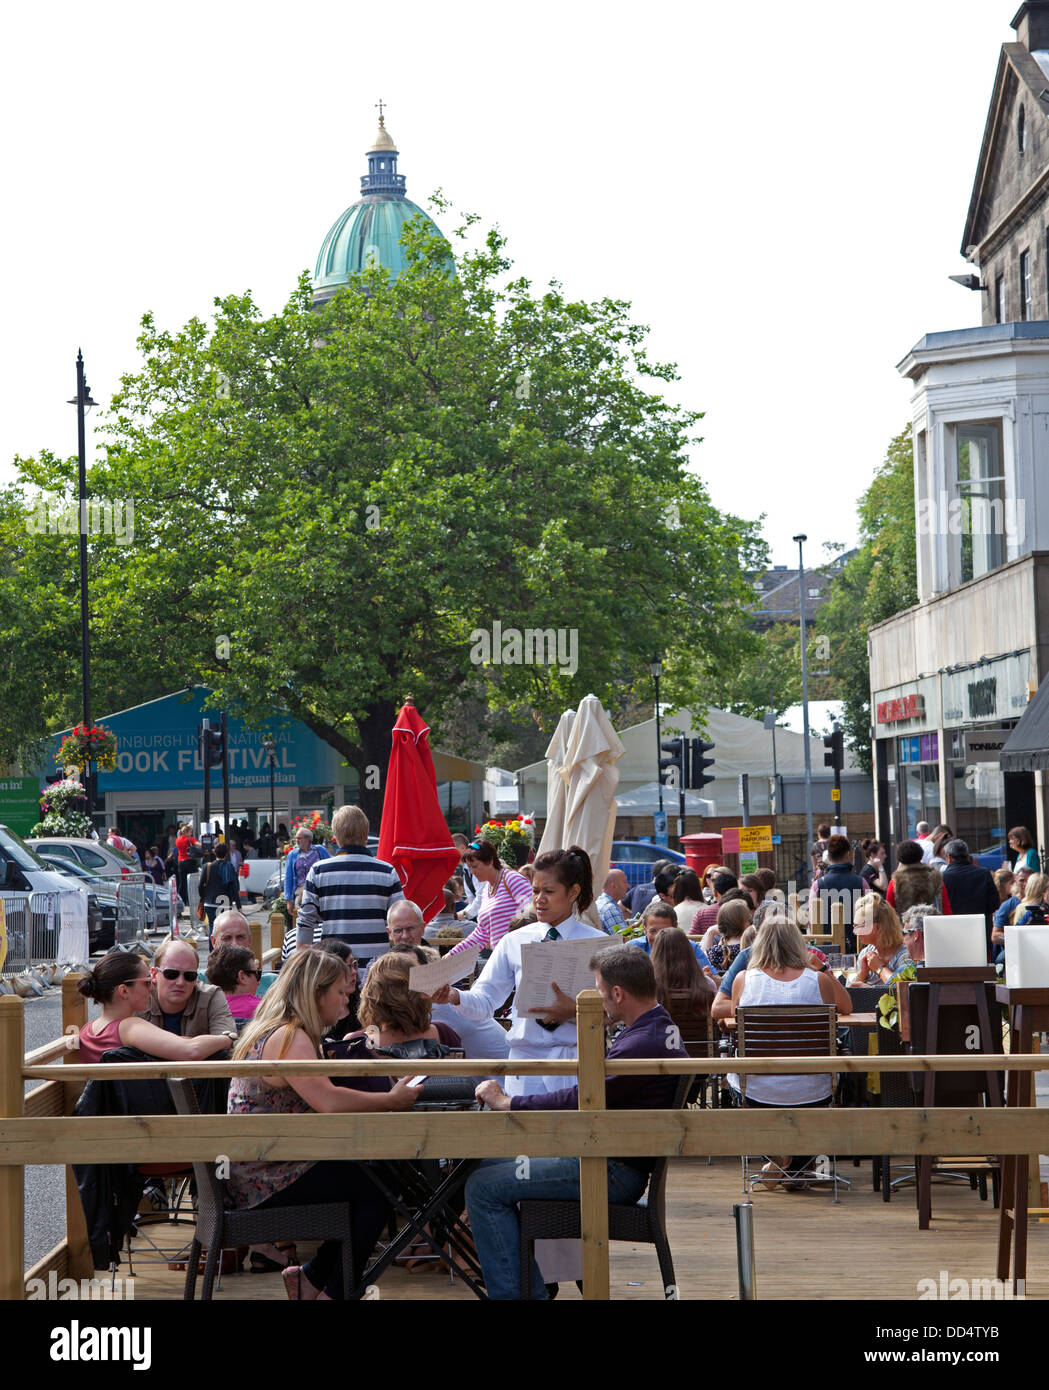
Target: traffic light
209 745
835 746
672 769
700 776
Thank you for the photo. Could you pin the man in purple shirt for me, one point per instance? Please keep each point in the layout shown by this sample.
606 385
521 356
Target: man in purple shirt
627 984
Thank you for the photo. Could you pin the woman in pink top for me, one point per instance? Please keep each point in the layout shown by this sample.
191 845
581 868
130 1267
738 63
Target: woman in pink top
120 982
504 894
236 972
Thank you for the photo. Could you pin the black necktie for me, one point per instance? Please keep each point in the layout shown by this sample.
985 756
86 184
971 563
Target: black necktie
552 935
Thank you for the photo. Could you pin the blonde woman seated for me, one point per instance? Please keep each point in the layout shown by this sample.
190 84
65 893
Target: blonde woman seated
780 970
880 930
311 994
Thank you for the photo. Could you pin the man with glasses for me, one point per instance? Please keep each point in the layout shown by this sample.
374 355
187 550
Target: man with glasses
486 1038
180 1002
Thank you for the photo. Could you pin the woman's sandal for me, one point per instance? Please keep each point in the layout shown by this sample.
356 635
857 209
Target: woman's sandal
262 1264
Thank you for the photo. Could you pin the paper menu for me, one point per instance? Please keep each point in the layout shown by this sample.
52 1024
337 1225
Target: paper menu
545 962
428 979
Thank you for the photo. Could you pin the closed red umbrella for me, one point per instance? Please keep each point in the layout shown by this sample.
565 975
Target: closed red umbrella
414 836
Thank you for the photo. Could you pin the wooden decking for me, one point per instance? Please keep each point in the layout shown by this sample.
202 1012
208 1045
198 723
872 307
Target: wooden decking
805 1246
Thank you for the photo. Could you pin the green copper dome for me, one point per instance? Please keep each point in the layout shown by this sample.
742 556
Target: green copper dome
368 233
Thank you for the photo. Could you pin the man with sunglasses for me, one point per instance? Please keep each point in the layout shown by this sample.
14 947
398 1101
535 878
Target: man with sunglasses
179 1001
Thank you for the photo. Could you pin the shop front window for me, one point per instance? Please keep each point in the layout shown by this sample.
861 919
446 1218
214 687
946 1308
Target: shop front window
918 781
979 804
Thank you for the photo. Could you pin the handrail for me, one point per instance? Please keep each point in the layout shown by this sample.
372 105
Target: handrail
640 1066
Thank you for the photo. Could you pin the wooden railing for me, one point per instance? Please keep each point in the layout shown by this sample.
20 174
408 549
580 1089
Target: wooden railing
38 1127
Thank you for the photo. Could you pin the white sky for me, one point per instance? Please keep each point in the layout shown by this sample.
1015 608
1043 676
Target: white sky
779 188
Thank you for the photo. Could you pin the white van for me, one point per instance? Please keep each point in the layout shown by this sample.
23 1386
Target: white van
39 933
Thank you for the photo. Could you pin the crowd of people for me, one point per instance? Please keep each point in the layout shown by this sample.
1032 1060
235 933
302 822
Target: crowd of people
711 943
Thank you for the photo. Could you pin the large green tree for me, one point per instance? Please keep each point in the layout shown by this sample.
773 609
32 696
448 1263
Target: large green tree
334 509
878 581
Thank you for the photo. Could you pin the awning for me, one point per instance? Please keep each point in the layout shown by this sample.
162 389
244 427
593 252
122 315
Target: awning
1027 747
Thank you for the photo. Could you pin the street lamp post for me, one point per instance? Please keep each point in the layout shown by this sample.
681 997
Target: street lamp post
805 697
83 402
656 667
270 746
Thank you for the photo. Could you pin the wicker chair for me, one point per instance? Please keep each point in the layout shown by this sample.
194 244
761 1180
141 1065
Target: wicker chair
221 1226
643 1224
787 1030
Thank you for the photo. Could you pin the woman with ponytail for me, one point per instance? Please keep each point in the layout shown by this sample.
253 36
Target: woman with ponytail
562 887
121 983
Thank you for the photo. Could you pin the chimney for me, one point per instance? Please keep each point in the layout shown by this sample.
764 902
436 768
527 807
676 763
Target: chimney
1031 23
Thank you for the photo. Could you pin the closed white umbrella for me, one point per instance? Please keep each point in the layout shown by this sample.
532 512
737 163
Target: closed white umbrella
590 777
556 785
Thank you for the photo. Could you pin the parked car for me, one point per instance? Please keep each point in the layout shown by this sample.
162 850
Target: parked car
636 857
101 901
993 858
102 859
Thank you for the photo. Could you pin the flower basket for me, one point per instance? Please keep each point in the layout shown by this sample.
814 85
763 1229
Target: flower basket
62 811
512 838
315 823
89 743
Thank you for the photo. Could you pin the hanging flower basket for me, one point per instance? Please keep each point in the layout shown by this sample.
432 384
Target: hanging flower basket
89 743
62 811
512 838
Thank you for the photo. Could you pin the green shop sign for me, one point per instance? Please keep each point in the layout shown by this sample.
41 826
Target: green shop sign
19 803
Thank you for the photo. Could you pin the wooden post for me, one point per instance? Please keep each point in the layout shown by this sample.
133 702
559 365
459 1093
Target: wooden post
277 924
815 914
74 1016
837 925
255 927
12 1176
593 1172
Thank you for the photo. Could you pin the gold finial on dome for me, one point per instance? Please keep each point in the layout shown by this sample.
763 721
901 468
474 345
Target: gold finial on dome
384 140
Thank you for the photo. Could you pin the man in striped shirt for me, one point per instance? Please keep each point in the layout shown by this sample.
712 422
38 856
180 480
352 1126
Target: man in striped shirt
348 895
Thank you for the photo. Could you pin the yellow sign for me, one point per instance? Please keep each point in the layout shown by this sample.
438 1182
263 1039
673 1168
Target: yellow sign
3 934
755 837
835 793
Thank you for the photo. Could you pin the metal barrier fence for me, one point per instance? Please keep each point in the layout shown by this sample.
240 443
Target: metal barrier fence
134 911
33 925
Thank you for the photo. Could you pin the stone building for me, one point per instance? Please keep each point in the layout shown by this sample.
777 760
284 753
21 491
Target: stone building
1007 228
957 724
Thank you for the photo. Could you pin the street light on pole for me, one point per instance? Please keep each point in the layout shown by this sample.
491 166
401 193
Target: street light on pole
83 402
805 696
656 667
270 745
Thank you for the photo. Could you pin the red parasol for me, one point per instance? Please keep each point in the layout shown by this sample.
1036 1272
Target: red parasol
414 836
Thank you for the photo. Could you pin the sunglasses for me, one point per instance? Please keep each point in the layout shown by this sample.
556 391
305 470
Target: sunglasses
171 974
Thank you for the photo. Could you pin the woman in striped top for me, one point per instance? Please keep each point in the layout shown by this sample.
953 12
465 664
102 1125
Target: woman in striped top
504 893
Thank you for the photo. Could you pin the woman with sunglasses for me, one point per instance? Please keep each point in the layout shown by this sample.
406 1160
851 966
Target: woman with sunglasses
180 1001
121 982
504 893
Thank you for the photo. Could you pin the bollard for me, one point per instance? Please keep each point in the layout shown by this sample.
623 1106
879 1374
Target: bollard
744 1215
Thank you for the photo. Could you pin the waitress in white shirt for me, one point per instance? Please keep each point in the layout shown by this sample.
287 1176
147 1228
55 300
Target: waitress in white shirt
563 885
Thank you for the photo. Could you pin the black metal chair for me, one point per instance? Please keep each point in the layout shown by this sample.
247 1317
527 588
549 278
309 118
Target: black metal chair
644 1223
221 1226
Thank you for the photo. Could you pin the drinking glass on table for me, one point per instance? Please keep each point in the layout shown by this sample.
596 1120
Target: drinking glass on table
847 964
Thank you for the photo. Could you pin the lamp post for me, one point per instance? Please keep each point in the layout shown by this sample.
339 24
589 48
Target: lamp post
805 697
656 667
83 403
270 745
